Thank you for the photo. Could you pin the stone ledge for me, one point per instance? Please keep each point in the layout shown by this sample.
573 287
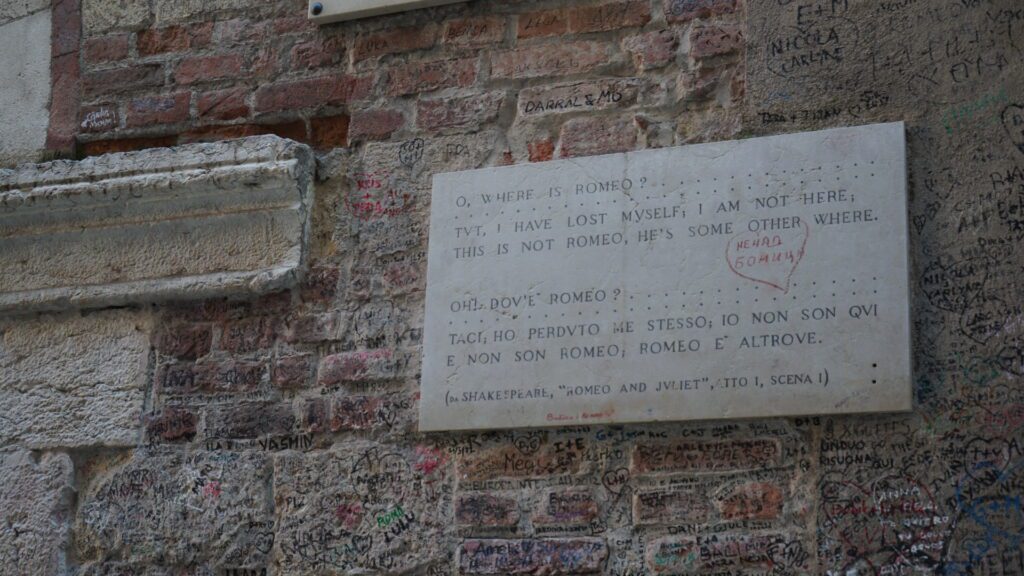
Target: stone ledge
196 221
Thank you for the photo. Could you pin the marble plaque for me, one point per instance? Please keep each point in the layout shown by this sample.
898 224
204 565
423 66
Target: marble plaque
752 278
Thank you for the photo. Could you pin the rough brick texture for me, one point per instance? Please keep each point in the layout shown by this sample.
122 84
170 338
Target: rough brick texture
279 435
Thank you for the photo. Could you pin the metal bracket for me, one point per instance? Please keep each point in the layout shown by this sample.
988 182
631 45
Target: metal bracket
327 11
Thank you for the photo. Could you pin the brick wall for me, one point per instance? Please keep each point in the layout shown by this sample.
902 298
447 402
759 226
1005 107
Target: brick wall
246 68
279 435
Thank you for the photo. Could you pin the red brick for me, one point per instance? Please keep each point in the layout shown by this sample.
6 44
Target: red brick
241 31
292 372
317 53
65 86
330 132
464 113
215 133
188 378
314 415
609 16
98 147
587 136
428 76
206 68
250 420
549 60
543 23
184 341
171 424
177 379
670 507
511 462
686 10
752 501
159 110
101 118
715 40
105 48
355 413
394 41
223 104
377 124
723 554
248 334
309 328
356 366
174 39
738 85
122 79
474 31
566 508
312 92
320 284
556 556
486 511
652 50
267 62
706 456
700 83
294 130
229 376
367 412
65 28
541 150
295 24
588 95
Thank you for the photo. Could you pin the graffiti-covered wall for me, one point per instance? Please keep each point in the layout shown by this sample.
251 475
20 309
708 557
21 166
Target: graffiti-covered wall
236 434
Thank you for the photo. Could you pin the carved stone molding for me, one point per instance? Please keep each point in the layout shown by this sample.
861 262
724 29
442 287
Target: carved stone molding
189 222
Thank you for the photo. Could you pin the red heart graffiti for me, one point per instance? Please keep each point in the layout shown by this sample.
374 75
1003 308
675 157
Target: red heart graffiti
768 257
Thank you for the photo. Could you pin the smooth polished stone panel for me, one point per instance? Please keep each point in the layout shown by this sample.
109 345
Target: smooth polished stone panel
752 278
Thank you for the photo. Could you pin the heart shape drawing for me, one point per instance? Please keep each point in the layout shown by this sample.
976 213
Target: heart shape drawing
616 480
1013 123
768 257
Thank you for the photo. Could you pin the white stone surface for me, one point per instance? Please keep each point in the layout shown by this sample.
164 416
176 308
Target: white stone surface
24 86
760 277
69 380
340 10
189 222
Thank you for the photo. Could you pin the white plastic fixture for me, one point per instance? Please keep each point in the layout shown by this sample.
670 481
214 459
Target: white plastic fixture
327 11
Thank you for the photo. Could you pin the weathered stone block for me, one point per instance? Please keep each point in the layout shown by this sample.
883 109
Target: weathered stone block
14 9
73 381
35 499
99 16
168 509
185 223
